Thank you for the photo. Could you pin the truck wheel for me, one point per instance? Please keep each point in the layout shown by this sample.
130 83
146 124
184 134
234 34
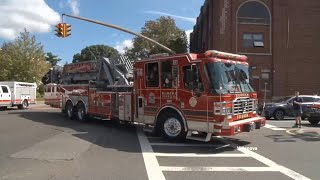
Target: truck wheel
69 110
172 128
24 105
3 108
81 113
313 121
279 114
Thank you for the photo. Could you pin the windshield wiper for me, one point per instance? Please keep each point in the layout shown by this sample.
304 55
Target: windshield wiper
244 80
232 78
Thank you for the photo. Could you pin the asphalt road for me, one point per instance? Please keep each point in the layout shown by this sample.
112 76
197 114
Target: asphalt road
40 143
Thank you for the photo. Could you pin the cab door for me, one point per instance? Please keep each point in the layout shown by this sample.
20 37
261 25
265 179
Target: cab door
5 96
195 100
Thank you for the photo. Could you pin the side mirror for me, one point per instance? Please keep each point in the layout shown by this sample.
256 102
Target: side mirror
198 92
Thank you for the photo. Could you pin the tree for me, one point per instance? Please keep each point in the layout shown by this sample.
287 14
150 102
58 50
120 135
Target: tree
52 59
162 30
23 60
95 52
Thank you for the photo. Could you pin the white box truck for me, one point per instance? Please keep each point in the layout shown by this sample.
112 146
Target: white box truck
20 94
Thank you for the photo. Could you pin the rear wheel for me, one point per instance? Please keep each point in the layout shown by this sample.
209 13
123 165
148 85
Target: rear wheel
3 108
24 105
279 114
69 110
172 127
314 121
81 113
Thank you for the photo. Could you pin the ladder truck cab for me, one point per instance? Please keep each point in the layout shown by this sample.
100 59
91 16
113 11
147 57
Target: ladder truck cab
194 96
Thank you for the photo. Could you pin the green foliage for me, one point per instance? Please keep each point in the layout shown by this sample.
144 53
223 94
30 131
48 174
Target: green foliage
95 52
52 59
162 30
23 60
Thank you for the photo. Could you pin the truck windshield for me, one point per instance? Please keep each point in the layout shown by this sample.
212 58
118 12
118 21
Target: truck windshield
228 78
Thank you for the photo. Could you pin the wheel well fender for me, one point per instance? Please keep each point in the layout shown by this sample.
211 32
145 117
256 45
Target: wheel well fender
171 109
68 101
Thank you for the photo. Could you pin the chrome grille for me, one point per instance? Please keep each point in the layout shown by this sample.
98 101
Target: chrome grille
243 105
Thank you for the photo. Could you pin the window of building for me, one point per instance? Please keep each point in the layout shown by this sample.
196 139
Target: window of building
252 40
253 12
152 74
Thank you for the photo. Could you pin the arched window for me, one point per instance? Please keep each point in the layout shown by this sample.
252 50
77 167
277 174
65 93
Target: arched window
253 12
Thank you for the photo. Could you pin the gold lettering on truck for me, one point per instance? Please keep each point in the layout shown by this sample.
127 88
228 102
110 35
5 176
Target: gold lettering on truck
242 116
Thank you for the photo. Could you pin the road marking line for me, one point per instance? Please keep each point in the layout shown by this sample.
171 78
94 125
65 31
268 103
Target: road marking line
268 162
269 126
199 155
291 133
154 137
250 169
185 145
152 166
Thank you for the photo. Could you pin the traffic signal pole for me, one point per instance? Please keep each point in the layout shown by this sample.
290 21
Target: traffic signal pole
121 29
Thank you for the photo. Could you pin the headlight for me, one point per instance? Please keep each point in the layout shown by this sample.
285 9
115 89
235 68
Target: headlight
222 108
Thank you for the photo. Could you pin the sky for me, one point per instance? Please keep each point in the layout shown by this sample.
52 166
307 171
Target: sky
40 16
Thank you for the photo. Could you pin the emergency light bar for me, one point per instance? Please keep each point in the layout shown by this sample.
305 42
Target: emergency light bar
215 53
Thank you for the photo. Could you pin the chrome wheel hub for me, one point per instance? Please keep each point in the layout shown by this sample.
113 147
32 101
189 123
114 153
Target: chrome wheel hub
172 127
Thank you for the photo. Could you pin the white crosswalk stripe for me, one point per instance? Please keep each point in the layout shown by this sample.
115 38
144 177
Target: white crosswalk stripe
275 128
155 171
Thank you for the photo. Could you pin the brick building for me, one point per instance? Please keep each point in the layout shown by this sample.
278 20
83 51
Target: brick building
280 37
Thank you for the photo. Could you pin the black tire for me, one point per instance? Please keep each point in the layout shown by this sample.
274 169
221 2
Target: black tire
172 127
24 105
278 114
69 110
81 113
3 108
313 121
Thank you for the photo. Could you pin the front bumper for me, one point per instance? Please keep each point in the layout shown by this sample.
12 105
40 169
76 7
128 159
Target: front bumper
245 125
313 115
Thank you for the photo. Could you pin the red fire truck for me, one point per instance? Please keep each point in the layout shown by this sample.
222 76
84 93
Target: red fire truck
194 96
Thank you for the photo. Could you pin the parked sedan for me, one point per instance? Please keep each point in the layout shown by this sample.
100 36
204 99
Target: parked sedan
283 107
313 113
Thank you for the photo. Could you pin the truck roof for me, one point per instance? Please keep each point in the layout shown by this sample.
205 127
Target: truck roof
219 55
17 83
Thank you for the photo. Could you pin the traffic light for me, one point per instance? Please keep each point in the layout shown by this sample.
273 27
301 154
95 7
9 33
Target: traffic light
60 30
67 29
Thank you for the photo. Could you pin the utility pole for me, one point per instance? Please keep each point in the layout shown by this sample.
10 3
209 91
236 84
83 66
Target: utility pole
265 96
121 29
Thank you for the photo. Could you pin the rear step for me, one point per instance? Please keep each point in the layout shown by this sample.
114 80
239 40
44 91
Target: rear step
198 137
148 129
